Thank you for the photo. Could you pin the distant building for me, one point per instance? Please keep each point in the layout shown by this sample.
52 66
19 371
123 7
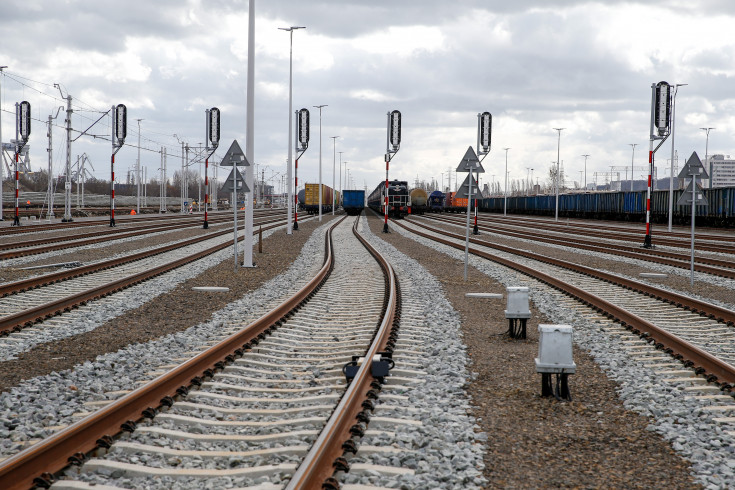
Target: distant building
723 170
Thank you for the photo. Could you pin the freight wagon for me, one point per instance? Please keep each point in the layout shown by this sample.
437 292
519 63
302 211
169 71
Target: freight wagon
627 206
311 198
353 201
418 202
398 198
436 202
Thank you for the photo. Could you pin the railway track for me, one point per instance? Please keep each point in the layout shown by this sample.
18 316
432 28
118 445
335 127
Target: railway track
708 265
698 333
273 380
26 302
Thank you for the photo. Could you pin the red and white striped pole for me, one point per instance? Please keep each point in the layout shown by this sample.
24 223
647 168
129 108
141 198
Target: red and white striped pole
385 208
16 219
296 195
112 190
206 191
647 240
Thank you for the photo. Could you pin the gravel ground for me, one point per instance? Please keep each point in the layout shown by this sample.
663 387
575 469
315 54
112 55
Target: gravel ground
535 442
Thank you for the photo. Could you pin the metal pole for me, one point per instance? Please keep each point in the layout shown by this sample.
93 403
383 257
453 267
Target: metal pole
2 158
647 240
558 147
694 211
250 146
206 168
467 228
320 159
632 165
50 190
505 192
67 183
112 169
334 163
137 173
706 156
387 162
16 218
671 177
585 171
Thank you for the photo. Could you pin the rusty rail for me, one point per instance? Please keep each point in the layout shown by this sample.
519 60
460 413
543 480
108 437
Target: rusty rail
56 452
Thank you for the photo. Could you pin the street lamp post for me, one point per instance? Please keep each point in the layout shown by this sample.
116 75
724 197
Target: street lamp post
289 227
1 149
558 149
671 177
632 157
340 171
334 174
137 173
320 158
585 171
706 155
505 193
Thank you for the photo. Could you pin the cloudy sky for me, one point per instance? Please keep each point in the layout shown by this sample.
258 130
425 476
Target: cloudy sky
534 64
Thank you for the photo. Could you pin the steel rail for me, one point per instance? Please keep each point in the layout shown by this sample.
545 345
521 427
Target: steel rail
318 465
716 369
707 265
54 277
706 309
58 451
17 321
634 236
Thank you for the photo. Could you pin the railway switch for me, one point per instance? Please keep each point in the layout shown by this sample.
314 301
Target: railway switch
517 311
555 357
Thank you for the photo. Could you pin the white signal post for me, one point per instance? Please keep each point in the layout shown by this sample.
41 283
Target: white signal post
119 131
660 121
213 131
392 145
2 177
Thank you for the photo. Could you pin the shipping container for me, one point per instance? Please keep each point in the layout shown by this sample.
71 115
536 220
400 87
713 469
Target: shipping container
353 201
311 198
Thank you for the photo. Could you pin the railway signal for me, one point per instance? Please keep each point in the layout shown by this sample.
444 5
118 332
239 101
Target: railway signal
119 132
213 132
392 146
22 126
302 143
660 130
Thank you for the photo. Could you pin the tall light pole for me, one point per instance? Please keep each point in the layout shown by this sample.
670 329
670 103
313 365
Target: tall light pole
2 177
706 155
137 172
631 165
289 227
320 158
585 171
528 186
334 174
671 177
247 259
558 149
340 171
505 193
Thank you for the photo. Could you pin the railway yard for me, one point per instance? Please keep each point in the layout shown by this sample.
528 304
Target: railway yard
122 367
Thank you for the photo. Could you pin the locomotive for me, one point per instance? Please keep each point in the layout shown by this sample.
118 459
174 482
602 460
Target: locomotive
398 198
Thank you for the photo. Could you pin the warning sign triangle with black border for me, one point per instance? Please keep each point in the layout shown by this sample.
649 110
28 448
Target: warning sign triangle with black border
693 167
239 181
470 162
235 157
464 189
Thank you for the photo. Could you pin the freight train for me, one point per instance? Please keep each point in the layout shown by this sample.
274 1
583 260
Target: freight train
311 198
629 206
418 201
398 198
353 201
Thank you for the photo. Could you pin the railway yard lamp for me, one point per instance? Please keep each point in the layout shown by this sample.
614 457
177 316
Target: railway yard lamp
392 145
660 130
290 30
334 174
557 176
213 132
585 172
320 159
119 131
505 192
671 177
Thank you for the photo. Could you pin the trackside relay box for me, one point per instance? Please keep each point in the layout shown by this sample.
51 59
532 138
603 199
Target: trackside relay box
555 350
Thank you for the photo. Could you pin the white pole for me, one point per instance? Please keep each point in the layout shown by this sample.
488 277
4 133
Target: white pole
558 146
50 212
67 186
247 260
671 177
505 193
632 157
137 173
334 174
320 159
2 157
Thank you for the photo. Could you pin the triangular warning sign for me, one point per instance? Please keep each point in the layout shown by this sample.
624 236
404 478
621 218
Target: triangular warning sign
693 167
686 196
470 162
235 157
229 185
464 189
